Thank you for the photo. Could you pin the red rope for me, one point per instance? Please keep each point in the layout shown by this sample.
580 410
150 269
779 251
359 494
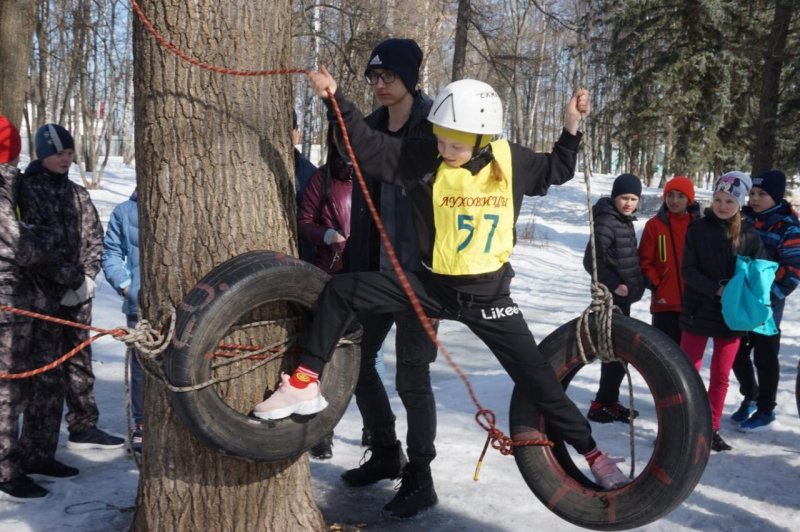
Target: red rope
116 333
484 417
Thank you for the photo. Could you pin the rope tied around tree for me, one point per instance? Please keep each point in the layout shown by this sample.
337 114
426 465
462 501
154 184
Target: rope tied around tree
143 337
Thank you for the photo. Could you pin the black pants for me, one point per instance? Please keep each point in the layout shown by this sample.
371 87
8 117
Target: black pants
612 373
668 323
415 352
496 320
765 355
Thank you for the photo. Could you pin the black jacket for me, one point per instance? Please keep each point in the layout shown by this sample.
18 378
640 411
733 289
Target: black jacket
709 261
617 251
364 250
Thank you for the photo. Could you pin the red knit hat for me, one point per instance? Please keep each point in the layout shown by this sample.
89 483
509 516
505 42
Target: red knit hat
10 143
683 185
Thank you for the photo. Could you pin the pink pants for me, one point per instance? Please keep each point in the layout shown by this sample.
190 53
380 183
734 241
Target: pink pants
721 363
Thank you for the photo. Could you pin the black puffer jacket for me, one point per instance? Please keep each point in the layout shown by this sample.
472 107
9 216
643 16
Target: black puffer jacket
364 250
617 251
709 260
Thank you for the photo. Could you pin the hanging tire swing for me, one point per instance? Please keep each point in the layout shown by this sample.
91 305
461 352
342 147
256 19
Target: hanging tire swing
681 447
257 292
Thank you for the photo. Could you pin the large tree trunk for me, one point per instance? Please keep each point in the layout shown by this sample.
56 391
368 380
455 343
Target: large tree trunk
770 90
17 22
215 179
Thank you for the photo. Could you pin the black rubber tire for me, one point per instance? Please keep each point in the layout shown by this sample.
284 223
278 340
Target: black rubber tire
208 311
681 448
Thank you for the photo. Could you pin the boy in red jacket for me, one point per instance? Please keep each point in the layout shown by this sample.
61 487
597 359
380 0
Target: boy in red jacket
661 254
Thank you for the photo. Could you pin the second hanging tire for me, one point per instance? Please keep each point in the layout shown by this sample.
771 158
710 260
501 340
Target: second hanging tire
681 448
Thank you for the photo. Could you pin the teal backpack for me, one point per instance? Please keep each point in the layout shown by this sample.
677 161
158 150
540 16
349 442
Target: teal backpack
745 299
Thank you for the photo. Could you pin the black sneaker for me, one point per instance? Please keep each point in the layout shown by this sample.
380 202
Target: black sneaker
385 462
22 489
601 413
416 493
94 438
54 469
324 449
718 444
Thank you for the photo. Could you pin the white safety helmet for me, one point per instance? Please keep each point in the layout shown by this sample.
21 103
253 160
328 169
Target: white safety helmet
470 106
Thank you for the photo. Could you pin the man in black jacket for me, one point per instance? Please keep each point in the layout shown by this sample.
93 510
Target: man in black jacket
393 73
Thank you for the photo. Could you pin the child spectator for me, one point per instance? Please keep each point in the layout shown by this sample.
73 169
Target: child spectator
121 267
709 261
48 198
661 254
777 225
465 249
618 269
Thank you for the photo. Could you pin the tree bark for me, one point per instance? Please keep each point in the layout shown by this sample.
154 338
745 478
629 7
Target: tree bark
17 22
775 53
216 179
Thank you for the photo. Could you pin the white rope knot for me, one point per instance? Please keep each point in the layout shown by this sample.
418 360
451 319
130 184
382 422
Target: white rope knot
147 339
602 309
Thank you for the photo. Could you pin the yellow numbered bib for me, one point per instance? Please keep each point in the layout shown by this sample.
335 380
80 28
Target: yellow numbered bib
474 217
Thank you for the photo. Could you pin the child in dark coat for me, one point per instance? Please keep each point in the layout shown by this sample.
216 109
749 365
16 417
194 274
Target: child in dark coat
777 225
618 269
709 261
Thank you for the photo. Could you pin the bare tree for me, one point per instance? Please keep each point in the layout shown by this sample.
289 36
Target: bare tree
215 180
17 22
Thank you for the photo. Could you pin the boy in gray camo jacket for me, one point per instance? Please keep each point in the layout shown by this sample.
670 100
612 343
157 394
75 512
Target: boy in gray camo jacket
48 198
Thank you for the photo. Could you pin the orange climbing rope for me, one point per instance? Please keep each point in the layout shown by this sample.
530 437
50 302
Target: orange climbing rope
484 417
116 333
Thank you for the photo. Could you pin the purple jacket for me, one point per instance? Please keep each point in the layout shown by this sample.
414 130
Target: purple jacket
326 205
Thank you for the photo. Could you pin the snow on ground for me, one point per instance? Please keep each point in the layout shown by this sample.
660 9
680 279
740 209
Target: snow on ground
754 487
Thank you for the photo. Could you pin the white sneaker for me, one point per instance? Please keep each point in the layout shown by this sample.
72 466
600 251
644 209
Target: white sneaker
288 400
607 473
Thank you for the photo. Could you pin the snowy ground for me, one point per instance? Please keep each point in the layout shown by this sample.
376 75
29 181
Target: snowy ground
754 487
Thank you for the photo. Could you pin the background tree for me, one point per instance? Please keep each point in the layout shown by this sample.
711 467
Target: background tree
17 22
215 179
775 55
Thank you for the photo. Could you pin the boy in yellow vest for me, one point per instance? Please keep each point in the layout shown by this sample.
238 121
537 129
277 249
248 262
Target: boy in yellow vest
466 191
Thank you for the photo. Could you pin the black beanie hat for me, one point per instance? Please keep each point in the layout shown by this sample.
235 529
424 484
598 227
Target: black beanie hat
626 184
773 183
402 56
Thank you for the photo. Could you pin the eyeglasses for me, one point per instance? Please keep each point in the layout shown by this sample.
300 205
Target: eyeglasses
387 76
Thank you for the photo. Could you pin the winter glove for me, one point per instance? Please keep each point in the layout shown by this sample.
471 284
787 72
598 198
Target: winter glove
81 294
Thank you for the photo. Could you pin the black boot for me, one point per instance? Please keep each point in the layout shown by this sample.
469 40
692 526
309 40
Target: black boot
324 449
366 437
385 462
718 444
415 494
